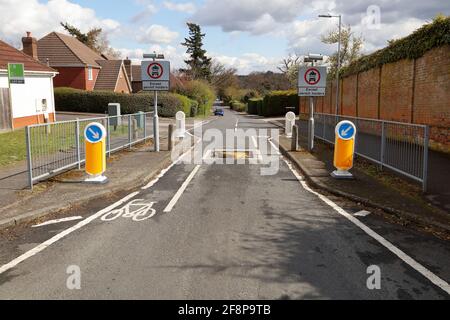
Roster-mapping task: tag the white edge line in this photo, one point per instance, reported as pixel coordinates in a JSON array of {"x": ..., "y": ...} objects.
[
  {"x": 388, "y": 245},
  {"x": 46, "y": 223},
  {"x": 61, "y": 235},
  {"x": 180, "y": 191}
]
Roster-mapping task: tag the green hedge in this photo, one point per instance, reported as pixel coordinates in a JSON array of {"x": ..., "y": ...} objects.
[
  {"x": 253, "y": 106},
  {"x": 278, "y": 103},
  {"x": 67, "y": 99},
  {"x": 414, "y": 46},
  {"x": 237, "y": 106}
]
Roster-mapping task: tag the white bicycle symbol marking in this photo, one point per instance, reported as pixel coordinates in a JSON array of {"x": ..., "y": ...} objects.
[{"x": 136, "y": 210}]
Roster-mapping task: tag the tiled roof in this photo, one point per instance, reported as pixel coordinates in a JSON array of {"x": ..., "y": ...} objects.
[
  {"x": 136, "y": 72},
  {"x": 64, "y": 50},
  {"x": 9, "y": 54},
  {"x": 108, "y": 75}
]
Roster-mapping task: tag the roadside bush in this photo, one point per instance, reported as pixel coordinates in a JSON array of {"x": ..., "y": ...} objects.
[
  {"x": 68, "y": 99},
  {"x": 278, "y": 103},
  {"x": 237, "y": 106},
  {"x": 200, "y": 91},
  {"x": 252, "y": 105},
  {"x": 187, "y": 105}
]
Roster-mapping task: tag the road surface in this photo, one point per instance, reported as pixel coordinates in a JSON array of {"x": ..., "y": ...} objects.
[{"x": 223, "y": 231}]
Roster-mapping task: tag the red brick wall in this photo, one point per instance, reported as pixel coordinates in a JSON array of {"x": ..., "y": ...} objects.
[
  {"x": 396, "y": 93},
  {"x": 70, "y": 77},
  {"x": 90, "y": 84},
  {"x": 349, "y": 95},
  {"x": 432, "y": 88},
  {"x": 412, "y": 91},
  {"x": 368, "y": 83}
]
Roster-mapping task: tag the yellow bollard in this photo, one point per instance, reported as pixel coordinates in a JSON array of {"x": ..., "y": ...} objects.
[
  {"x": 344, "y": 150},
  {"x": 95, "y": 143}
]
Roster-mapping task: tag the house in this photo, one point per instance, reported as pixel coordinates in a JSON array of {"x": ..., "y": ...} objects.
[
  {"x": 32, "y": 102},
  {"x": 79, "y": 66}
]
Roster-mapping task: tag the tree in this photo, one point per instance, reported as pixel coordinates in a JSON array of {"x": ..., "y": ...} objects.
[
  {"x": 199, "y": 64},
  {"x": 95, "y": 39},
  {"x": 222, "y": 77},
  {"x": 290, "y": 67},
  {"x": 351, "y": 46}
]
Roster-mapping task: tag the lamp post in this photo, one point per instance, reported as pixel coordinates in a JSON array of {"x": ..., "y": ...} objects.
[
  {"x": 338, "y": 59},
  {"x": 155, "y": 56}
]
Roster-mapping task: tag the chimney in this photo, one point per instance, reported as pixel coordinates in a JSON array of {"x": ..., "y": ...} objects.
[
  {"x": 30, "y": 46},
  {"x": 127, "y": 64}
]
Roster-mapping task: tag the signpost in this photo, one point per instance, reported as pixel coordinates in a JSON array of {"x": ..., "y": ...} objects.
[
  {"x": 155, "y": 77},
  {"x": 312, "y": 82},
  {"x": 16, "y": 73},
  {"x": 344, "y": 150},
  {"x": 95, "y": 142}
]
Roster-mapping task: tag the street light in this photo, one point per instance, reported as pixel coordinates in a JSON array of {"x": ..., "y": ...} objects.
[
  {"x": 155, "y": 56},
  {"x": 339, "y": 57}
]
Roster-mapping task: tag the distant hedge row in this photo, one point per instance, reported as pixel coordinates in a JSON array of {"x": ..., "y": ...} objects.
[
  {"x": 237, "y": 106},
  {"x": 68, "y": 99},
  {"x": 275, "y": 103}
]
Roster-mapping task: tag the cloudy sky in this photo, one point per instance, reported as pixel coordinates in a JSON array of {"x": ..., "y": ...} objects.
[{"x": 250, "y": 35}]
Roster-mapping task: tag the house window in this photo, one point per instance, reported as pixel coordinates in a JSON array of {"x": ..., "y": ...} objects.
[{"x": 90, "y": 74}]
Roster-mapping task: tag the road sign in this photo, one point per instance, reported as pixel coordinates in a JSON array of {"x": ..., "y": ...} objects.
[
  {"x": 94, "y": 132},
  {"x": 95, "y": 146},
  {"x": 312, "y": 81},
  {"x": 344, "y": 149},
  {"x": 346, "y": 130},
  {"x": 16, "y": 73},
  {"x": 155, "y": 75}
]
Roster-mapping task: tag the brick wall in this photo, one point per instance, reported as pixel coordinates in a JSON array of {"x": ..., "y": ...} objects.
[{"x": 412, "y": 91}]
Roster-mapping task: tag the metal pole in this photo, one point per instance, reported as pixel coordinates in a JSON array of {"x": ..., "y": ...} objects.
[
  {"x": 338, "y": 67},
  {"x": 425, "y": 158},
  {"x": 156, "y": 123},
  {"x": 144, "y": 121},
  {"x": 108, "y": 136},
  {"x": 311, "y": 122},
  {"x": 29, "y": 163},
  {"x": 383, "y": 144},
  {"x": 129, "y": 131},
  {"x": 294, "y": 141},
  {"x": 77, "y": 142}
]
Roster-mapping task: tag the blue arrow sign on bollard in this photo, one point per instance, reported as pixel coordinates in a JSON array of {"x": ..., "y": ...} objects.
[
  {"x": 346, "y": 130},
  {"x": 94, "y": 132}
]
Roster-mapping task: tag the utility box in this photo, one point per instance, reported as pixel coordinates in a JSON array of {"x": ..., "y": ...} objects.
[
  {"x": 114, "y": 112},
  {"x": 140, "y": 119}
]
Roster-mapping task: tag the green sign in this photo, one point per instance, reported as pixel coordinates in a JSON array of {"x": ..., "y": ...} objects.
[{"x": 16, "y": 73}]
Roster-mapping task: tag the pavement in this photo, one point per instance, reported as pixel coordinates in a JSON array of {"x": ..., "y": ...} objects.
[
  {"x": 222, "y": 231},
  {"x": 14, "y": 178}
]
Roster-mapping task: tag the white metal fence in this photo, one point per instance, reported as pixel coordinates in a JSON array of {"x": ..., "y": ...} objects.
[
  {"x": 57, "y": 147},
  {"x": 401, "y": 147}
]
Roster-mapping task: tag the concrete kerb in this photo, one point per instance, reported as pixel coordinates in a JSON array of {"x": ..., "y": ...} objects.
[{"x": 319, "y": 185}]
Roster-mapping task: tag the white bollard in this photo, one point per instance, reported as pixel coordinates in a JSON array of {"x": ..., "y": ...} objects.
[
  {"x": 181, "y": 124},
  {"x": 290, "y": 122}
]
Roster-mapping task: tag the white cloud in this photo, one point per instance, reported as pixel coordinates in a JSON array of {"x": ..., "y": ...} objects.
[
  {"x": 187, "y": 7},
  {"x": 157, "y": 34},
  {"x": 150, "y": 9},
  {"x": 175, "y": 55},
  {"x": 41, "y": 19},
  {"x": 248, "y": 62}
]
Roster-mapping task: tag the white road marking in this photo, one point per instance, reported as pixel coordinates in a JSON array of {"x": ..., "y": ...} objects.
[
  {"x": 362, "y": 213},
  {"x": 255, "y": 143},
  {"x": 62, "y": 234},
  {"x": 399, "y": 253},
  {"x": 275, "y": 147},
  {"x": 57, "y": 221},
  {"x": 180, "y": 191},
  {"x": 236, "y": 126}
]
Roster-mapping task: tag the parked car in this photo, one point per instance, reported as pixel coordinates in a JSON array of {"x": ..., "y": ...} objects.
[{"x": 219, "y": 112}]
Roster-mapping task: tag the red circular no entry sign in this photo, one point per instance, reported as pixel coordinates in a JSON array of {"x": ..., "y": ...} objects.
[
  {"x": 155, "y": 70},
  {"x": 312, "y": 76}
]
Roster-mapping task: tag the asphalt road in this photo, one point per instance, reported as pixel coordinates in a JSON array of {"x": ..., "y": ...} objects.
[{"x": 231, "y": 233}]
